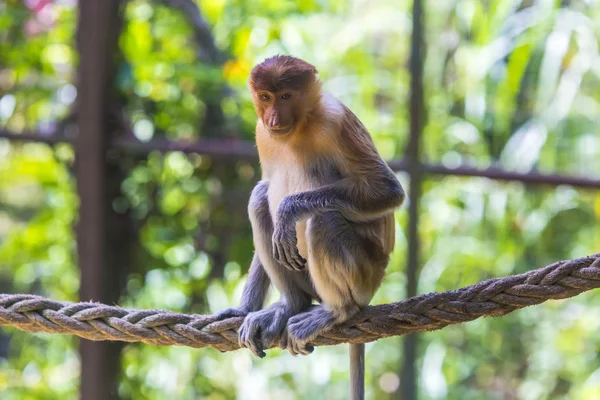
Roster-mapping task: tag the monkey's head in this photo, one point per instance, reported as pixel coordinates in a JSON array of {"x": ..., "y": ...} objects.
[{"x": 284, "y": 90}]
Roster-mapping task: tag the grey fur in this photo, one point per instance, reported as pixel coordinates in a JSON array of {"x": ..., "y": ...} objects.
[
  {"x": 347, "y": 220},
  {"x": 339, "y": 249},
  {"x": 255, "y": 291},
  {"x": 334, "y": 240},
  {"x": 262, "y": 327}
]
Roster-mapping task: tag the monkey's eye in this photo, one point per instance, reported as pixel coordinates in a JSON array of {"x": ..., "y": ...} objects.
[
  {"x": 286, "y": 96},
  {"x": 265, "y": 97}
]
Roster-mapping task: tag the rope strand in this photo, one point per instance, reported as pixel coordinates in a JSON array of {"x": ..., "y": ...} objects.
[{"x": 494, "y": 297}]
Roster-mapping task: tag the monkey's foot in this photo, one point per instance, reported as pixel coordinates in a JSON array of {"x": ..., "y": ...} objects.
[
  {"x": 304, "y": 327},
  {"x": 231, "y": 312},
  {"x": 285, "y": 248},
  {"x": 294, "y": 345},
  {"x": 261, "y": 328}
]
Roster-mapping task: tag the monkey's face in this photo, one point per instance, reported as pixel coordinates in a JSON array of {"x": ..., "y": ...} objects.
[
  {"x": 278, "y": 110},
  {"x": 284, "y": 90}
]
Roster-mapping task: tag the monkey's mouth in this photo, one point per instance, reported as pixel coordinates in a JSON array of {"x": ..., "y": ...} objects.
[{"x": 281, "y": 131}]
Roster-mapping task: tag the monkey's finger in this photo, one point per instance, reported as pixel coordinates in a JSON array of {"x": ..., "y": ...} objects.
[
  {"x": 289, "y": 258},
  {"x": 304, "y": 261},
  {"x": 276, "y": 253},
  {"x": 282, "y": 257},
  {"x": 300, "y": 261},
  {"x": 230, "y": 313},
  {"x": 292, "y": 253},
  {"x": 295, "y": 258}
]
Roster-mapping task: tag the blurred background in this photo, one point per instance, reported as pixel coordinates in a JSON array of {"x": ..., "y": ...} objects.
[{"x": 126, "y": 161}]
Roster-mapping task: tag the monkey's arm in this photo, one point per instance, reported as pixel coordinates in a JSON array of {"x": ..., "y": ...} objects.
[
  {"x": 355, "y": 198},
  {"x": 254, "y": 294}
]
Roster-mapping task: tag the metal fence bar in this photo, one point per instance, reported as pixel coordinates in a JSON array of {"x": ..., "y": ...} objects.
[
  {"x": 246, "y": 150},
  {"x": 408, "y": 376},
  {"x": 98, "y": 26},
  {"x": 227, "y": 148},
  {"x": 500, "y": 174},
  {"x": 36, "y": 137}
]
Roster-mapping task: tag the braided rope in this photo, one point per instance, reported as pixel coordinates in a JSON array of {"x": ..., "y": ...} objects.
[{"x": 494, "y": 297}]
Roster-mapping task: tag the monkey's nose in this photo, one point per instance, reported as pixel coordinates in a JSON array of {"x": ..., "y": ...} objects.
[{"x": 273, "y": 122}]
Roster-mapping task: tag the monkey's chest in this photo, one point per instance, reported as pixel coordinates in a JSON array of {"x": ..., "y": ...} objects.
[{"x": 283, "y": 184}]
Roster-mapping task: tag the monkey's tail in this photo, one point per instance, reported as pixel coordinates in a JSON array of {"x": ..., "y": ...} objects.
[{"x": 357, "y": 371}]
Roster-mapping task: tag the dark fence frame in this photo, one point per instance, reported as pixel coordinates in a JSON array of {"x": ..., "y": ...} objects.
[{"x": 95, "y": 74}]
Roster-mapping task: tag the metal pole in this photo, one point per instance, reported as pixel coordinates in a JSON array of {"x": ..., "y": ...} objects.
[
  {"x": 236, "y": 149},
  {"x": 357, "y": 371},
  {"x": 408, "y": 375},
  {"x": 97, "y": 42}
]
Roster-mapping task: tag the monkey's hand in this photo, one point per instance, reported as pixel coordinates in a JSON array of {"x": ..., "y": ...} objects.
[
  {"x": 285, "y": 246},
  {"x": 232, "y": 312}
]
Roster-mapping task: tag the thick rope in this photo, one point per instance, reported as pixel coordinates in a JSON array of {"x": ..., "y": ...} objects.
[{"x": 494, "y": 297}]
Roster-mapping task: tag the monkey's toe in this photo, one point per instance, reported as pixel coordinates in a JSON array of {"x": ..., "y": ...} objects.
[
  {"x": 231, "y": 313},
  {"x": 296, "y": 346},
  {"x": 248, "y": 336},
  {"x": 262, "y": 328},
  {"x": 272, "y": 334},
  {"x": 300, "y": 330},
  {"x": 253, "y": 344}
]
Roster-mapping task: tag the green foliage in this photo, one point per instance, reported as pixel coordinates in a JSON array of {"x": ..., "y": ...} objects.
[
  {"x": 38, "y": 207},
  {"x": 508, "y": 82}
]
